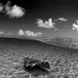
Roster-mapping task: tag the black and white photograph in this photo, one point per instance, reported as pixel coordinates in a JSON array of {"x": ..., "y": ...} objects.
[{"x": 38, "y": 39}]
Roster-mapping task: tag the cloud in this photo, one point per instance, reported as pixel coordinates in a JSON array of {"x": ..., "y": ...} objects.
[
  {"x": 32, "y": 34},
  {"x": 29, "y": 33},
  {"x": 13, "y": 11},
  {"x": 1, "y": 32},
  {"x": 1, "y": 7},
  {"x": 75, "y": 26},
  {"x": 21, "y": 32},
  {"x": 47, "y": 24},
  {"x": 61, "y": 19}
]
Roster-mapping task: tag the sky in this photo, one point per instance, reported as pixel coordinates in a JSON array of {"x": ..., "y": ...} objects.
[{"x": 48, "y": 18}]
